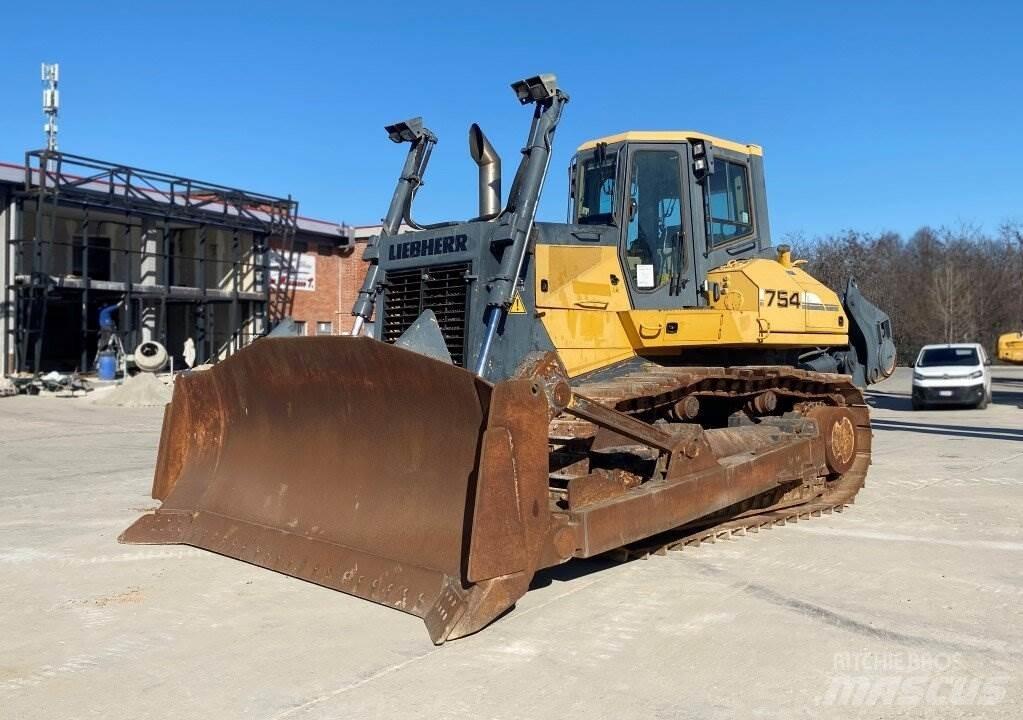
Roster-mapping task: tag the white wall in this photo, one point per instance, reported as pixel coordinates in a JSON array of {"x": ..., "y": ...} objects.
[{"x": 8, "y": 229}]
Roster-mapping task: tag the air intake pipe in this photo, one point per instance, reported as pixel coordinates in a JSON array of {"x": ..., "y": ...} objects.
[{"x": 489, "y": 163}]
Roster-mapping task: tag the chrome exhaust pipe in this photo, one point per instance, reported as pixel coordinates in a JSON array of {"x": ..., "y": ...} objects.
[{"x": 489, "y": 162}]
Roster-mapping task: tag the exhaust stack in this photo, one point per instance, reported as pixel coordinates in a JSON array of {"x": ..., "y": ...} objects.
[{"x": 489, "y": 162}]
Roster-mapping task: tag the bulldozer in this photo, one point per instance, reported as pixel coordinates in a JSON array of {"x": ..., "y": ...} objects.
[
  {"x": 1010, "y": 348},
  {"x": 517, "y": 394}
]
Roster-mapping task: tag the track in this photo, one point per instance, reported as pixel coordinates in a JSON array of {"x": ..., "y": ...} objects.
[{"x": 653, "y": 393}]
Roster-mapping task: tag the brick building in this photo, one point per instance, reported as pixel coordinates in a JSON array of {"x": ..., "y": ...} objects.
[{"x": 328, "y": 280}]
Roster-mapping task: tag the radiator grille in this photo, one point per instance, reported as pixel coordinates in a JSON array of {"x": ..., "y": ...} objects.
[{"x": 441, "y": 288}]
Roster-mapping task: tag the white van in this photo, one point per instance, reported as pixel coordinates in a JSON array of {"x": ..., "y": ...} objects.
[{"x": 954, "y": 374}]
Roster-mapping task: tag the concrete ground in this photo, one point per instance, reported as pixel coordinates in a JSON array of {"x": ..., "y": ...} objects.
[{"x": 907, "y": 605}]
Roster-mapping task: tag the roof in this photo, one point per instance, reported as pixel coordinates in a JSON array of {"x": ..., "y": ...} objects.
[
  {"x": 673, "y": 136},
  {"x": 951, "y": 345},
  {"x": 14, "y": 173}
]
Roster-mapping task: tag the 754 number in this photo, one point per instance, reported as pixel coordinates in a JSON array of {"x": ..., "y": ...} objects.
[{"x": 782, "y": 298}]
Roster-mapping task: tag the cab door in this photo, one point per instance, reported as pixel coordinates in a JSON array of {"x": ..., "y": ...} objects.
[
  {"x": 655, "y": 247},
  {"x": 730, "y": 216}
]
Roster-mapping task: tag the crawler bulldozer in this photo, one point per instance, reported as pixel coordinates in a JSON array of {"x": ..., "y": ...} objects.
[{"x": 517, "y": 393}]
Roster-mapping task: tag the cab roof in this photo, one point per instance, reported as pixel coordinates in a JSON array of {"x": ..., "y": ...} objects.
[{"x": 672, "y": 136}]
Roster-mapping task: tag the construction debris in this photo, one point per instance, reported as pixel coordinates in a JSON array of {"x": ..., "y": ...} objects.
[
  {"x": 50, "y": 383},
  {"x": 141, "y": 390}
]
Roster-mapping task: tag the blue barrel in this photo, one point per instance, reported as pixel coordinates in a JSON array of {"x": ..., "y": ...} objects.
[{"x": 107, "y": 365}]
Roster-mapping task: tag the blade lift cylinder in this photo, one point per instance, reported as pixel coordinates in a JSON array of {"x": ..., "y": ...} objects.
[
  {"x": 512, "y": 238},
  {"x": 421, "y": 141}
]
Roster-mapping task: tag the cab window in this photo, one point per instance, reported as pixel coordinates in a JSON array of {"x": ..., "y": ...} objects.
[
  {"x": 654, "y": 218},
  {"x": 595, "y": 201},
  {"x": 730, "y": 215}
]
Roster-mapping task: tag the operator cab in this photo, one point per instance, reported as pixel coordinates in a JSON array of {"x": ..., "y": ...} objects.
[{"x": 683, "y": 203}]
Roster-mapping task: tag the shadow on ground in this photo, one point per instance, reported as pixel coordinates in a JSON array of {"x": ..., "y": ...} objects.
[
  {"x": 888, "y": 401},
  {"x": 965, "y": 431},
  {"x": 1008, "y": 397},
  {"x": 571, "y": 570}
]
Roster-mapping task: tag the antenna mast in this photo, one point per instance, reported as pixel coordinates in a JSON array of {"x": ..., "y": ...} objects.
[{"x": 51, "y": 102}]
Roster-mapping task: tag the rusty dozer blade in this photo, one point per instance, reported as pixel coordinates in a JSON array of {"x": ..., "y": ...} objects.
[{"x": 362, "y": 467}]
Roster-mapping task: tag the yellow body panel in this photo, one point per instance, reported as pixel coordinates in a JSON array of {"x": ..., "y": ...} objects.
[
  {"x": 587, "y": 339},
  {"x": 770, "y": 287},
  {"x": 579, "y": 308},
  {"x": 1010, "y": 348},
  {"x": 672, "y": 136},
  {"x": 761, "y": 303},
  {"x": 579, "y": 277}
]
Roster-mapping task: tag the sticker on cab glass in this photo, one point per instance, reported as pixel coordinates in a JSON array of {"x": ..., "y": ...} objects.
[{"x": 644, "y": 276}]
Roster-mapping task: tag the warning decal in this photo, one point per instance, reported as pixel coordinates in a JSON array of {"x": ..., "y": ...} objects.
[{"x": 517, "y": 307}]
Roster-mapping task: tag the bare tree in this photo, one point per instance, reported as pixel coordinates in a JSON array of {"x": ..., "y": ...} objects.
[{"x": 944, "y": 285}]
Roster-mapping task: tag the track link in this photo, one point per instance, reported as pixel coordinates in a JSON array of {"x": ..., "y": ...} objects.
[{"x": 648, "y": 390}]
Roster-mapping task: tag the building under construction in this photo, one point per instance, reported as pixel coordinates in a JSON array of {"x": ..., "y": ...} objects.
[{"x": 170, "y": 258}]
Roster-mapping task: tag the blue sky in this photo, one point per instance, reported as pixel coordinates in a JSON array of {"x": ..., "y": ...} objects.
[{"x": 873, "y": 115}]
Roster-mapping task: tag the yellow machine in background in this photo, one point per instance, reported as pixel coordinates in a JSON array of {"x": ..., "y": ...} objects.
[{"x": 1010, "y": 348}]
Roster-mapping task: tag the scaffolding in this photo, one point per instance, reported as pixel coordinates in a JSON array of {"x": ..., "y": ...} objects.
[{"x": 92, "y": 232}]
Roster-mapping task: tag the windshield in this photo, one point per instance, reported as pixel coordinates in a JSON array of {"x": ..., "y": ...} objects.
[
  {"x": 595, "y": 189},
  {"x": 937, "y": 357}
]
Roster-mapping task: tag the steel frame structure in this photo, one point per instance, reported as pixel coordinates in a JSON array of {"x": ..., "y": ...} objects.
[{"x": 162, "y": 203}]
